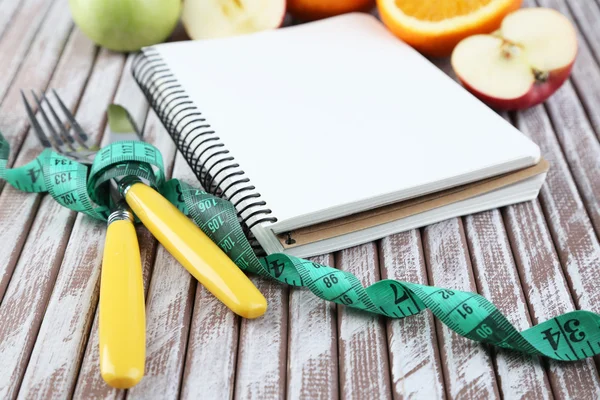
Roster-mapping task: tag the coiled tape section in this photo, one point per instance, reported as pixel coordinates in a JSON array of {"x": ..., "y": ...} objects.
[{"x": 203, "y": 150}]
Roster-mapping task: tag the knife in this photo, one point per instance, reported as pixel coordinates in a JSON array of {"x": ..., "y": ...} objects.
[
  {"x": 122, "y": 320},
  {"x": 182, "y": 238}
]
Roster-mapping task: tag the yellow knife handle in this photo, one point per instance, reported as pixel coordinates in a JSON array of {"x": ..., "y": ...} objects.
[
  {"x": 122, "y": 310},
  {"x": 195, "y": 251}
]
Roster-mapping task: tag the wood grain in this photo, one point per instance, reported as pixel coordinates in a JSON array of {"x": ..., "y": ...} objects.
[
  {"x": 89, "y": 382},
  {"x": 579, "y": 142},
  {"x": 416, "y": 368},
  {"x": 72, "y": 71},
  {"x": 169, "y": 307},
  {"x": 17, "y": 38},
  {"x": 547, "y": 293},
  {"x": 534, "y": 261},
  {"x": 75, "y": 292},
  {"x": 572, "y": 231},
  {"x": 9, "y": 8},
  {"x": 519, "y": 375},
  {"x": 25, "y": 300},
  {"x": 212, "y": 349},
  {"x": 468, "y": 369},
  {"x": 587, "y": 13},
  {"x": 262, "y": 351},
  {"x": 585, "y": 74},
  {"x": 36, "y": 69},
  {"x": 69, "y": 78},
  {"x": 364, "y": 362},
  {"x": 312, "y": 344},
  {"x": 27, "y": 294}
]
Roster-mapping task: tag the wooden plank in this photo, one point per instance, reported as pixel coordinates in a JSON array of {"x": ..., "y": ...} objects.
[
  {"x": 17, "y": 38},
  {"x": 262, "y": 350},
  {"x": 468, "y": 369},
  {"x": 572, "y": 231},
  {"x": 89, "y": 381},
  {"x": 364, "y": 362},
  {"x": 169, "y": 307},
  {"x": 581, "y": 148},
  {"x": 585, "y": 74},
  {"x": 23, "y": 306},
  {"x": 579, "y": 142},
  {"x": 212, "y": 349},
  {"x": 75, "y": 293},
  {"x": 36, "y": 70},
  {"x": 547, "y": 293},
  {"x": 416, "y": 369},
  {"x": 587, "y": 15},
  {"x": 18, "y": 207},
  {"x": 24, "y": 335},
  {"x": 312, "y": 344},
  {"x": 519, "y": 376},
  {"x": 9, "y": 8}
]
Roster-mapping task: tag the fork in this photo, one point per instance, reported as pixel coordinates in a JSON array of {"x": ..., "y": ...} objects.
[
  {"x": 177, "y": 233},
  {"x": 122, "y": 321}
]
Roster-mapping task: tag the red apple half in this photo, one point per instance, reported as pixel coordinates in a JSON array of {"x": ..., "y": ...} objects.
[
  {"x": 522, "y": 63},
  {"x": 206, "y": 19}
]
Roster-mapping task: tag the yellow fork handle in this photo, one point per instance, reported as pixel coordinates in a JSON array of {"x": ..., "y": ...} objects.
[
  {"x": 195, "y": 251},
  {"x": 122, "y": 309}
]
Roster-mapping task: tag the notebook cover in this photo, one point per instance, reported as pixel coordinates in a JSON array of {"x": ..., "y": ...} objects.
[{"x": 397, "y": 211}]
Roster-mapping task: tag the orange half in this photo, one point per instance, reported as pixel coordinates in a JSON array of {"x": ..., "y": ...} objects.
[{"x": 434, "y": 27}]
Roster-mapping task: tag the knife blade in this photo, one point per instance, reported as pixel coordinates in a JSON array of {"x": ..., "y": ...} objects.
[{"x": 182, "y": 238}]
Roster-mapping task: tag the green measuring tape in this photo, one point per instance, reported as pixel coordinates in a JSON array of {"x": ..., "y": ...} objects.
[{"x": 568, "y": 337}]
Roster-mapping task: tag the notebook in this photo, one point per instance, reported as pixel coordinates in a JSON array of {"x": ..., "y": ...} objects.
[{"x": 334, "y": 133}]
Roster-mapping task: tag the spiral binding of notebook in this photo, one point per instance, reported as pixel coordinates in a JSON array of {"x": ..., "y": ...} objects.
[{"x": 206, "y": 155}]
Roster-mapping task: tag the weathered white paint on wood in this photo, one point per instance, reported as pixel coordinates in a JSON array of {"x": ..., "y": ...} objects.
[
  {"x": 364, "y": 362},
  {"x": 17, "y": 38},
  {"x": 75, "y": 293},
  {"x": 574, "y": 237},
  {"x": 519, "y": 376},
  {"x": 22, "y": 285},
  {"x": 416, "y": 368},
  {"x": 568, "y": 224},
  {"x": 468, "y": 369},
  {"x": 581, "y": 148},
  {"x": 9, "y": 8},
  {"x": 210, "y": 360},
  {"x": 69, "y": 79},
  {"x": 547, "y": 293},
  {"x": 587, "y": 15},
  {"x": 89, "y": 381},
  {"x": 262, "y": 350},
  {"x": 586, "y": 73},
  {"x": 27, "y": 294},
  {"x": 312, "y": 344},
  {"x": 168, "y": 316},
  {"x": 35, "y": 71}
]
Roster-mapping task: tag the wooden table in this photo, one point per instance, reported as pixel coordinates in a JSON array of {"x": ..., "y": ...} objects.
[{"x": 533, "y": 260}]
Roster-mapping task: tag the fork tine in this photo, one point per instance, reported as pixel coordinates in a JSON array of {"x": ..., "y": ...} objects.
[
  {"x": 78, "y": 130},
  {"x": 55, "y": 136},
  {"x": 34, "y": 123},
  {"x": 67, "y": 139},
  {"x": 61, "y": 125}
]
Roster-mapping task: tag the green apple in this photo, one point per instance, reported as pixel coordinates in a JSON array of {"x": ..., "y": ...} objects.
[{"x": 126, "y": 25}]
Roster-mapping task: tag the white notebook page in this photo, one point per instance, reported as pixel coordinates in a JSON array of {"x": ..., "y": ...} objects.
[{"x": 337, "y": 116}]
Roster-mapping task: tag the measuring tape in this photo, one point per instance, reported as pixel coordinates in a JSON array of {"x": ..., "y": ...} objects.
[{"x": 568, "y": 337}]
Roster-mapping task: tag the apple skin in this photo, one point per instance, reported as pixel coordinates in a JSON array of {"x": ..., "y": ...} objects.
[
  {"x": 538, "y": 93},
  {"x": 126, "y": 25}
]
